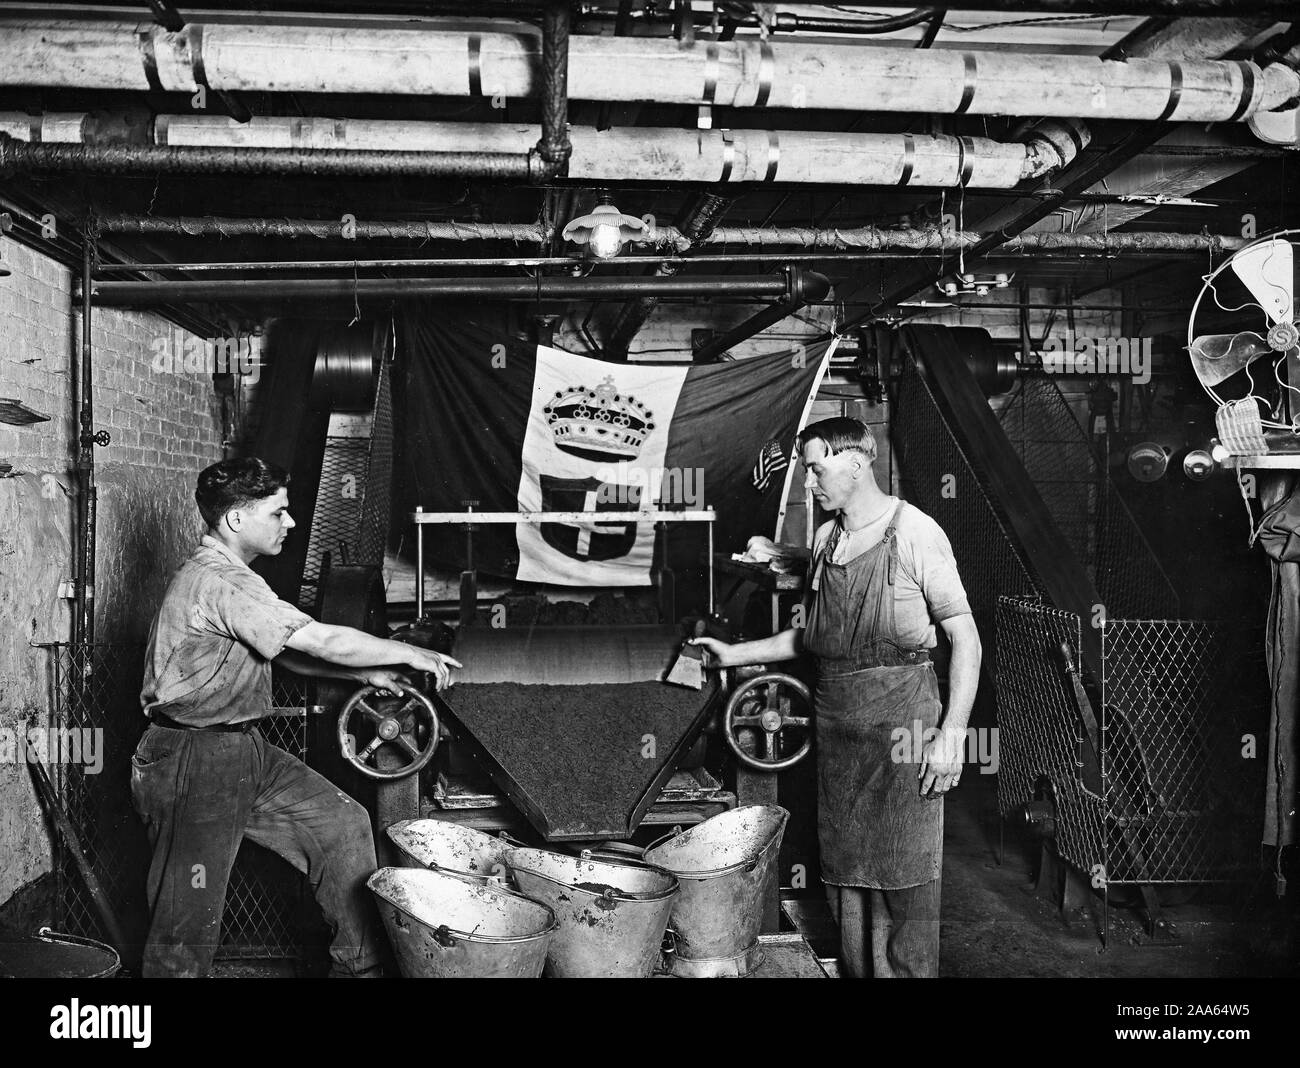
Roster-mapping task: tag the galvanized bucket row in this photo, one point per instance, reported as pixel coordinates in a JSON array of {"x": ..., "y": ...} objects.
[{"x": 474, "y": 905}]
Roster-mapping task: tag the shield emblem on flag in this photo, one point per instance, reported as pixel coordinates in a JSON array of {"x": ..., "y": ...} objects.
[{"x": 588, "y": 541}]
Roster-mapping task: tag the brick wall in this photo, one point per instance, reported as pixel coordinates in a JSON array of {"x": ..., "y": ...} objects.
[{"x": 165, "y": 428}]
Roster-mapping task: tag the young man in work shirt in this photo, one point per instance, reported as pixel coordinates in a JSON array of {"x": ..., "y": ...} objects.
[
  {"x": 203, "y": 777},
  {"x": 882, "y": 576}
]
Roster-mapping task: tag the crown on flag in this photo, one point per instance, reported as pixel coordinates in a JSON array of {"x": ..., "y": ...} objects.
[{"x": 598, "y": 423}]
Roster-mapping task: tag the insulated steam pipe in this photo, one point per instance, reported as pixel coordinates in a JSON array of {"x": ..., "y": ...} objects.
[
  {"x": 849, "y": 76},
  {"x": 645, "y": 153}
]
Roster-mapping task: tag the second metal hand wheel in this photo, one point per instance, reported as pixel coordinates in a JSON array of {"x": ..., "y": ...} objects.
[
  {"x": 771, "y": 714},
  {"x": 391, "y": 728}
]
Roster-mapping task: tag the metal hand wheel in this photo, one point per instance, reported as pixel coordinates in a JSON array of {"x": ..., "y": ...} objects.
[
  {"x": 769, "y": 703},
  {"x": 401, "y": 729}
]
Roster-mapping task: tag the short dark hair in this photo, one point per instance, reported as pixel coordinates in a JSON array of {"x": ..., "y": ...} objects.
[
  {"x": 233, "y": 483},
  {"x": 838, "y": 435}
]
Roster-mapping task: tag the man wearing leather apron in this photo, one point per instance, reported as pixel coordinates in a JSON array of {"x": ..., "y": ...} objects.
[{"x": 882, "y": 578}]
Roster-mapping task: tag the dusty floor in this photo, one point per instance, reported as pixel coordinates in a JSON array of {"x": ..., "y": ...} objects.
[{"x": 996, "y": 925}]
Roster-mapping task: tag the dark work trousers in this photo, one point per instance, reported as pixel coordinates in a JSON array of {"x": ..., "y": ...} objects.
[
  {"x": 888, "y": 934},
  {"x": 200, "y": 793}
]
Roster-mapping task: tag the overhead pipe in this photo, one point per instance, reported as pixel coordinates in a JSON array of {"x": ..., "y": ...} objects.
[
  {"x": 1281, "y": 9},
  {"x": 146, "y": 160},
  {"x": 554, "y": 147},
  {"x": 62, "y": 53},
  {"x": 812, "y": 24},
  {"x": 543, "y": 161},
  {"x": 283, "y": 145},
  {"x": 794, "y": 284},
  {"x": 870, "y": 238},
  {"x": 696, "y": 223},
  {"x": 805, "y": 287},
  {"x": 935, "y": 240},
  {"x": 292, "y": 229}
]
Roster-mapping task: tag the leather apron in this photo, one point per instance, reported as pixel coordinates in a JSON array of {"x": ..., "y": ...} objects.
[{"x": 874, "y": 827}]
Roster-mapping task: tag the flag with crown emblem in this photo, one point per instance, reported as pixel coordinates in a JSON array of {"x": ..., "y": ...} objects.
[{"x": 543, "y": 430}]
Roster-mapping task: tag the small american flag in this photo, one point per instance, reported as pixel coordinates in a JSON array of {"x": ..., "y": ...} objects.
[{"x": 771, "y": 459}]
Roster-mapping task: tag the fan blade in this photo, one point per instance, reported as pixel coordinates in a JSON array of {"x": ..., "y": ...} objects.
[
  {"x": 1268, "y": 271},
  {"x": 1216, "y": 357}
]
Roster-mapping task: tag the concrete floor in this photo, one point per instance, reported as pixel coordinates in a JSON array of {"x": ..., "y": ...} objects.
[{"x": 996, "y": 925}]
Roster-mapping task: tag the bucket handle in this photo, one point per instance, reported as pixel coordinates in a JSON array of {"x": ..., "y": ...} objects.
[
  {"x": 612, "y": 851},
  {"x": 443, "y": 936},
  {"x": 76, "y": 940},
  {"x": 464, "y": 877},
  {"x": 667, "y": 950},
  {"x": 677, "y": 829}
]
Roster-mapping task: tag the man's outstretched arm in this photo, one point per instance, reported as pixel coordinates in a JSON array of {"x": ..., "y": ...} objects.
[{"x": 347, "y": 647}]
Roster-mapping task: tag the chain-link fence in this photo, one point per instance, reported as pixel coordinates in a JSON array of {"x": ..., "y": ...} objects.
[
  {"x": 1179, "y": 780},
  {"x": 1085, "y": 504},
  {"x": 269, "y": 912}
]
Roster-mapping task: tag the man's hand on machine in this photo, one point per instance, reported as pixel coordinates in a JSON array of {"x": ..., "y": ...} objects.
[
  {"x": 715, "y": 651},
  {"x": 383, "y": 679},
  {"x": 438, "y": 665}
]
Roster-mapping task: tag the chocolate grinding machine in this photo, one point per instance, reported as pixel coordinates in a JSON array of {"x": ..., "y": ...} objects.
[{"x": 572, "y": 725}]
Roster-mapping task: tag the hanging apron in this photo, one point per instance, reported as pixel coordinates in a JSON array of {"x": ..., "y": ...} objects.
[{"x": 874, "y": 827}]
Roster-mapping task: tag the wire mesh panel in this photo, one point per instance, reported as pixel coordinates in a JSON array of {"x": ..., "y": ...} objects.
[
  {"x": 1181, "y": 780},
  {"x": 268, "y": 904},
  {"x": 1040, "y": 732},
  {"x": 97, "y": 688},
  {"x": 1085, "y": 504},
  {"x": 336, "y": 522},
  {"x": 372, "y": 537},
  {"x": 352, "y": 505},
  {"x": 937, "y": 477}
]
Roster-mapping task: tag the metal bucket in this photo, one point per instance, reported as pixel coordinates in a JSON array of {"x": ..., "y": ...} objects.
[
  {"x": 447, "y": 926},
  {"x": 612, "y": 913},
  {"x": 727, "y": 868},
  {"x": 53, "y": 955},
  {"x": 442, "y": 846}
]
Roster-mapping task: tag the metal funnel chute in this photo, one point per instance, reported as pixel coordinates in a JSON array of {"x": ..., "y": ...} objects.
[{"x": 573, "y": 724}]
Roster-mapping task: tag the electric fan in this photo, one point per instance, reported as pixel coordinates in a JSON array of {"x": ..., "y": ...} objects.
[{"x": 1246, "y": 370}]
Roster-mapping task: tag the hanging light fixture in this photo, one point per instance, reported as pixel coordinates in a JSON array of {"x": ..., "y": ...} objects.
[
  {"x": 605, "y": 231},
  {"x": 964, "y": 284}
]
